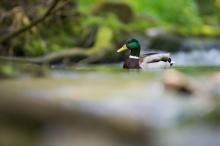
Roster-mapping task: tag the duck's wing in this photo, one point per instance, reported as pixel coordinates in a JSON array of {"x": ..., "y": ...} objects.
[
  {"x": 155, "y": 57},
  {"x": 148, "y": 54},
  {"x": 155, "y": 61},
  {"x": 155, "y": 65}
]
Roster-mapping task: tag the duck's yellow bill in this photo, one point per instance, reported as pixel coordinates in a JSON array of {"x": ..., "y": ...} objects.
[{"x": 124, "y": 48}]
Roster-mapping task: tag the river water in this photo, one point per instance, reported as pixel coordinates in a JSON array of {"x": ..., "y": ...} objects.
[
  {"x": 197, "y": 58},
  {"x": 108, "y": 91},
  {"x": 189, "y": 51}
]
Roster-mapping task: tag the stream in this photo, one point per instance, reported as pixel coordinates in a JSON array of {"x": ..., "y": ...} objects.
[
  {"x": 67, "y": 105},
  {"x": 187, "y": 51},
  {"x": 198, "y": 58}
]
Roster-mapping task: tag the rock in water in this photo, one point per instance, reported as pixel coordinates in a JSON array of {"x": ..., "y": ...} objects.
[{"x": 176, "y": 81}]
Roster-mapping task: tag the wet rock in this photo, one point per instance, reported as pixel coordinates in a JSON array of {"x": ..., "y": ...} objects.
[
  {"x": 155, "y": 32},
  {"x": 166, "y": 43},
  {"x": 176, "y": 81},
  {"x": 216, "y": 78},
  {"x": 160, "y": 39}
]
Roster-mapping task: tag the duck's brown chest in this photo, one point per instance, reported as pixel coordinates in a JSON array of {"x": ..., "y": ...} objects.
[{"x": 131, "y": 64}]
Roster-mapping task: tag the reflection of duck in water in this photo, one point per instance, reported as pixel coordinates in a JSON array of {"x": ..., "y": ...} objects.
[{"x": 147, "y": 61}]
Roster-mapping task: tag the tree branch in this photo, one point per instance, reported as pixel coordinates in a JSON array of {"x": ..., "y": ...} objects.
[
  {"x": 48, "y": 59},
  {"x": 83, "y": 56},
  {"x": 34, "y": 23}
]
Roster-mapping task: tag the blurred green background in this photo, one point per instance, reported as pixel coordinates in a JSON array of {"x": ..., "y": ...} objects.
[
  {"x": 75, "y": 23},
  {"x": 56, "y": 88}
]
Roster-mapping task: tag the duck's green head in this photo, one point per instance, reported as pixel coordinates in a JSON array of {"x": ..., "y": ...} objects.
[{"x": 133, "y": 45}]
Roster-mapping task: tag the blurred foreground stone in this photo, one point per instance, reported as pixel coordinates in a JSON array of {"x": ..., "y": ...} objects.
[
  {"x": 96, "y": 109},
  {"x": 176, "y": 81},
  {"x": 35, "y": 113},
  {"x": 216, "y": 78}
]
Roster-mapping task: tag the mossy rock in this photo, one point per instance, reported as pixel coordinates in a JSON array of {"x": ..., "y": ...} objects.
[{"x": 123, "y": 11}]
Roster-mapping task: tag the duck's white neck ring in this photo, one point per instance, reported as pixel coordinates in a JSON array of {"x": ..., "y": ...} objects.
[{"x": 134, "y": 57}]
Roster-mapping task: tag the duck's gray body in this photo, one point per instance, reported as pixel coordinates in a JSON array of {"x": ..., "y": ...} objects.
[{"x": 155, "y": 61}]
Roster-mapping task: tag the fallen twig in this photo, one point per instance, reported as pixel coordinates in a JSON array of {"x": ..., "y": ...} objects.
[{"x": 89, "y": 55}]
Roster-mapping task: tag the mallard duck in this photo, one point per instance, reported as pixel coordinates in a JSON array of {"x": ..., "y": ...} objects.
[{"x": 147, "y": 61}]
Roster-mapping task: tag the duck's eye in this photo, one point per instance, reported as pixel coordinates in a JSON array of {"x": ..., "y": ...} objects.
[{"x": 169, "y": 60}]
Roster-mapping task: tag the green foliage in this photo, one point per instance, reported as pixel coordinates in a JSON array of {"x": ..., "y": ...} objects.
[
  {"x": 86, "y": 5},
  {"x": 104, "y": 37},
  {"x": 110, "y": 21},
  {"x": 5, "y": 70},
  {"x": 53, "y": 38},
  {"x": 151, "y": 13},
  {"x": 201, "y": 30},
  {"x": 183, "y": 17},
  {"x": 35, "y": 47},
  {"x": 182, "y": 12}
]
